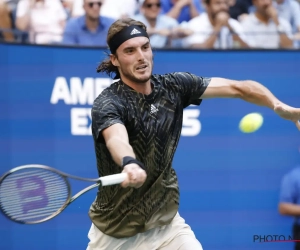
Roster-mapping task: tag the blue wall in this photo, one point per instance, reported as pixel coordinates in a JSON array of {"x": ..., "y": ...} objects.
[{"x": 229, "y": 180}]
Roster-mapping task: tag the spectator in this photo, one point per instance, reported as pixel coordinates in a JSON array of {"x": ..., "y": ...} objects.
[
  {"x": 43, "y": 19},
  {"x": 114, "y": 9},
  {"x": 289, "y": 200},
  {"x": 90, "y": 29},
  {"x": 5, "y": 23},
  {"x": 215, "y": 28},
  {"x": 182, "y": 10},
  {"x": 264, "y": 29},
  {"x": 159, "y": 26},
  {"x": 290, "y": 11}
]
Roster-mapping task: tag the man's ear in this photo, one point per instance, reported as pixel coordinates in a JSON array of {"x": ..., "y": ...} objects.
[{"x": 114, "y": 60}]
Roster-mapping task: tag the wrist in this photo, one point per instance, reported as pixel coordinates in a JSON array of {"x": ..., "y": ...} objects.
[{"x": 129, "y": 159}]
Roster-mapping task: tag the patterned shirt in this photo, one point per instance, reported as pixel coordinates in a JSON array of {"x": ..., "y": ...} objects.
[{"x": 154, "y": 124}]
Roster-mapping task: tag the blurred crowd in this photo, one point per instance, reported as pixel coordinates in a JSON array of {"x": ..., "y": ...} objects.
[{"x": 205, "y": 24}]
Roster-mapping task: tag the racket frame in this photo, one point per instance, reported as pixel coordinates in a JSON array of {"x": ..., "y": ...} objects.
[{"x": 65, "y": 176}]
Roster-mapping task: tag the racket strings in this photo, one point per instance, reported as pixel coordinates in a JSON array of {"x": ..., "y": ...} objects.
[{"x": 31, "y": 195}]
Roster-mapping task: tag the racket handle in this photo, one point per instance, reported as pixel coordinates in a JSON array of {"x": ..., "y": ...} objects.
[{"x": 113, "y": 179}]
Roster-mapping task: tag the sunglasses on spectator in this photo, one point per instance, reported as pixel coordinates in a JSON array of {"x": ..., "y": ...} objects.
[
  {"x": 92, "y": 4},
  {"x": 149, "y": 5}
]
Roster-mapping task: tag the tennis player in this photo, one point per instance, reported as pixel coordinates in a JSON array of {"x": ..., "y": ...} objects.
[{"x": 136, "y": 125}]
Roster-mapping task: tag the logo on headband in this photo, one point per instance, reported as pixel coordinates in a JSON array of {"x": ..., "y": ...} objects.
[
  {"x": 134, "y": 31},
  {"x": 125, "y": 34}
]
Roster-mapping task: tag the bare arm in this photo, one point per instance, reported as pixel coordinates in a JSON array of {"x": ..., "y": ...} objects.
[
  {"x": 22, "y": 23},
  {"x": 177, "y": 8},
  {"x": 116, "y": 139},
  {"x": 117, "y": 142},
  {"x": 249, "y": 91},
  {"x": 285, "y": 41},
  {"x": 175, "y": 11},
  {"x": 5, "y": 22},
  {"x": 193, "y": 10},
  {"x": 289, "y": 209},
  {"x": 23, "y": 20},
  {"x": 252, "y": 92}
]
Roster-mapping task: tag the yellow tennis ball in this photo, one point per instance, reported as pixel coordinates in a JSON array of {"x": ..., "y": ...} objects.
[{"x": 251, "y": 122}]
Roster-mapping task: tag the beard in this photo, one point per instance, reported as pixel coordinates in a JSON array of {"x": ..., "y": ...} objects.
[{"x": 139, "y": 80}]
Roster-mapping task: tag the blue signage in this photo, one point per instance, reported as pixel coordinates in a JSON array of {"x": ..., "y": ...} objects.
[{"x": 229, "y": 180}]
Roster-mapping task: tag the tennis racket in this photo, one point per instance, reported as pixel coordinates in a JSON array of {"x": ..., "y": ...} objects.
[{"x": 32, "y": 194}]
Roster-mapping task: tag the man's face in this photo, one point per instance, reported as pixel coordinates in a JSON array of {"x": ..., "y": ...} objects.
[
  {"x": 216, "y": 6},
  {"x": 262, "y": 5},
  {"x": 134, "y": 60},
  {"x": 151, "y": 8},
  {"x": 92, "y": 8}
]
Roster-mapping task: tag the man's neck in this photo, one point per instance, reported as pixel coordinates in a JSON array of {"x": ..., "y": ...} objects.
[
  {"x": 144, "y": 88},
  {"x": 91, "y": 23},
  {"x": 262, "y": 17}
]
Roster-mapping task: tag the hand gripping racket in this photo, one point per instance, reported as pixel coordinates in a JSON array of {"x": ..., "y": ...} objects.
[{"x": 32, "y": 194}]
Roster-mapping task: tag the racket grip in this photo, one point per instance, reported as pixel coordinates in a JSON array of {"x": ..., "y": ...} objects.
[{"x": 113, "y": 179}]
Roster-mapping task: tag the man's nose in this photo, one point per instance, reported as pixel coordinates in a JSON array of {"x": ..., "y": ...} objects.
[{"x": 140, "y": 55}]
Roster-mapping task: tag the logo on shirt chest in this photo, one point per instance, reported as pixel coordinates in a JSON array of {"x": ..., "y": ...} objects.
[{"x": 153, "y": 109}]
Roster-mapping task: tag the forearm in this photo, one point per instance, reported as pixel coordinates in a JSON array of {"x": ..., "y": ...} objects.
[
  {"x": 118, "y": 149},
  {"x": 289, "y": 209},
  {"x": 256, "y": 93},
  {"x": 249, "y": 91},
  {"x": 175, "y": 11},
  {"x": 5, "y": 22},
  {"x": 285, "y": 41},
  {"x": 193, "y": 11},
  {"x": 22, "y": 23}
]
